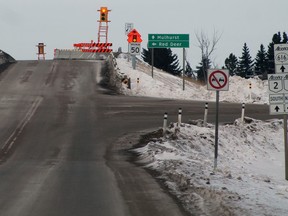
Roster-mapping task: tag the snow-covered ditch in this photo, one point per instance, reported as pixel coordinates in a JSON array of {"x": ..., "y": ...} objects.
[{"x": 250, "y": 176}]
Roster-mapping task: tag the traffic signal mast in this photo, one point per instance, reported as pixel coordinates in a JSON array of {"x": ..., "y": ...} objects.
[
  {"x": 103, "y": 25},
  {"x": 102, "y": 45}
]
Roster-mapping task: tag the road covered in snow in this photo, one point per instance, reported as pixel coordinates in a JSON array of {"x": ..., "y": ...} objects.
[{"x": 250, "y": 176}]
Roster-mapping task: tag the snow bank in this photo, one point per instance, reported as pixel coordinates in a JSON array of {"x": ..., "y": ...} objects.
[
  {"x": 249, "y": 179},
  {"x": 164, "y": 85}
]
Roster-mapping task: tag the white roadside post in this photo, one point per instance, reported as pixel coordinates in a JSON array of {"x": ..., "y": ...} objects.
[
  {"x": 138, "y": 81},
  {"x": 243, "y": 113},
  {"x": 205, "y": 115},
  {"x": 179, "y": 116},
  {"x": 165, "y": 123},
  {"x": 250, "y": 91},
  {"x": 218, "y": 80}
]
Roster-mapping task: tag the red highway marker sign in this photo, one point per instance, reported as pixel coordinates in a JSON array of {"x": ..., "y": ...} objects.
[{"x": 218, "y": 80}]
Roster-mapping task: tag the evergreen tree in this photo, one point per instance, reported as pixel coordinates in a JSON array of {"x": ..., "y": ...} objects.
[
  {"x": 245, "y": 63},
  {"x": 202, "y": 70},
  {"x": 164, "y": 59},
  {"x": 277, "y": 38},
  {"x": 231, "y": 63},
  {"x": 261, "y": 62},
  {"x": 188, "y": 70},
  {"x": 285, "y": 38},
  {"x": 270, "y": 59}
]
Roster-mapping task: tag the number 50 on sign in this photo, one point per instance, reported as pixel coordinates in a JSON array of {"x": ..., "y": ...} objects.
[{"x": 135, "y": 48}]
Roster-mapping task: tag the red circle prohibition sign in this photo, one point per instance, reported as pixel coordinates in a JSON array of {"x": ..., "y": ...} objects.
[{"x": 219, "y": 83}]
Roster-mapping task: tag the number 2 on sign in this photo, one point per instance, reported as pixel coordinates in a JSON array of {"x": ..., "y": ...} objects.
[{"x": 276, "y": 85}]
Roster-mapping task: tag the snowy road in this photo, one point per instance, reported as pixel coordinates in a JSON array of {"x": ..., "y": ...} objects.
[{"x": 60, "y": 140}]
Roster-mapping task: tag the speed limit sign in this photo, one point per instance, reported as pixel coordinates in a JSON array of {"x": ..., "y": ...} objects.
[{"x": 135, "y": 48}]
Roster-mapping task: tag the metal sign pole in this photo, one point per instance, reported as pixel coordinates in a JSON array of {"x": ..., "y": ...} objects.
[
  {"x": 218, "y": 80},
  {"x": 134, "y": 62},
  {"x": 285, "y": 146},
  {"x": 216, "y": 130},
  {"x": 152, "y": 60},
  {"x": 183, "y": 73}
]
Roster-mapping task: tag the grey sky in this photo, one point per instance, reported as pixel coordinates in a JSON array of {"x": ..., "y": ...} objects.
[{"x": 61, "y": 23}]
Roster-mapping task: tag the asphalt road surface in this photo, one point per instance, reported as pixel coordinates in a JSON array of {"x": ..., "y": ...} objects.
[{"x": 62, "y": 136}]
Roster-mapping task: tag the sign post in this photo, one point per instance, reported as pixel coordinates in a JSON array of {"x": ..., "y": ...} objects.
[
  {"x": 278, "y": 91},
  {"x": 128, "y": 27},
  {"x": 281, "y": 58},
  {"x": 169, "y": 41},
  {"x": 218, "y": 80},
  {"x": 134, "y": 40}
]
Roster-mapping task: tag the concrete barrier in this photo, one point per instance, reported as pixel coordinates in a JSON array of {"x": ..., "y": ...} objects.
[{"x": 63, "y": 54}]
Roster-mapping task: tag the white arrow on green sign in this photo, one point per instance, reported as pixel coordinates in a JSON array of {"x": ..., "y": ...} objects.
[{"x": 168, "y": 40}]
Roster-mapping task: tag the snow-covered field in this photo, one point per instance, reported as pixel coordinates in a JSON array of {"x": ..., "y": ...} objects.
[{"x": 250, "y": 176}]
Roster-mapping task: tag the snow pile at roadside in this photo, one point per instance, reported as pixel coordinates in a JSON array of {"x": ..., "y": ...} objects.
[
  {"x": 164, "y": 85},
  {"x": 249, "y": 179}
]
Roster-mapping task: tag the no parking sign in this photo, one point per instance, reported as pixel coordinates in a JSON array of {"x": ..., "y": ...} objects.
[{"x": 218, "y": 80}]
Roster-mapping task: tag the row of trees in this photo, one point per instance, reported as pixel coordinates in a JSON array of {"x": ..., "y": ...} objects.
[
  {"x": 163, "y": 59},
  {"x": 243, "y": 66},
  {"x": 263, "y": 63}
]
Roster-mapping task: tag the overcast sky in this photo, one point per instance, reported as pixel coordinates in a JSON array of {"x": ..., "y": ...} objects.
[{"x": 60, "y": 23}]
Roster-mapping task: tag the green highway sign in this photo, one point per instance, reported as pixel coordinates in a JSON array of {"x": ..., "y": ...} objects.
[
  {"x": 172, "y": 37},
  {"x": 168, "y": 40},
  {"x": 168, "y": 44}
]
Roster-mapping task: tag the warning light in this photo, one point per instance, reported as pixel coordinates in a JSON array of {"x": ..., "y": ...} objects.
[
  {"x": 41, "y": 53},
  {"x": 103, "y": 14},
  {"x": 134, "y": 37}
]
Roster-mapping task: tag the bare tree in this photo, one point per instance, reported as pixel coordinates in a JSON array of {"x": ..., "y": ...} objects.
[{"x": 207, "y": 47}]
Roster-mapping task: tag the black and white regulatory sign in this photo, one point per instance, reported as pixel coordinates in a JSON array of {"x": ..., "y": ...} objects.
[
  {"x": 135, "y": 48},
  {"x": 218, "y": 80}
]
